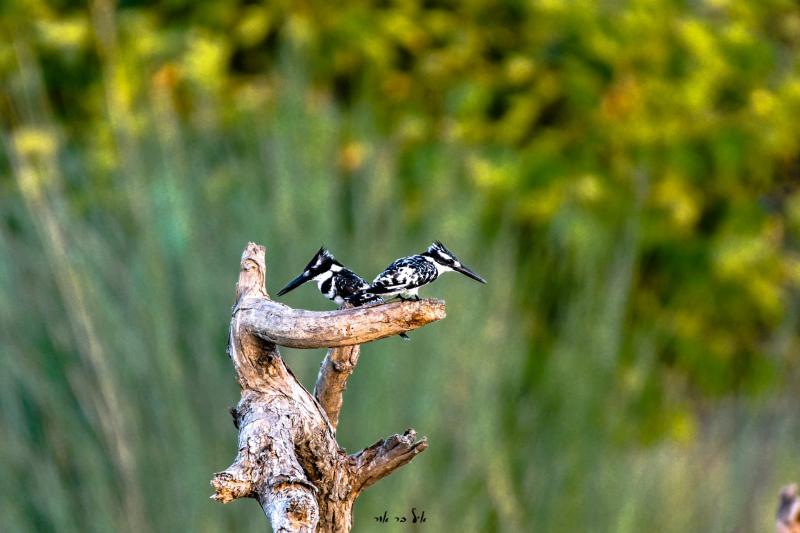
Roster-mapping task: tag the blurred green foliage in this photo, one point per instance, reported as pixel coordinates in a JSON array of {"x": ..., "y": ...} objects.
[{"x": 625, "y": 174}]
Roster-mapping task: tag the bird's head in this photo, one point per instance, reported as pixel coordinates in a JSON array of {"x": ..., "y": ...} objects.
[
  {"x": 447, "y": 260},
  {"x": 322, "y": 263}
]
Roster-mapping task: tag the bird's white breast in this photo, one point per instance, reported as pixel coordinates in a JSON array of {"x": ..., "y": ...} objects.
[{"x": 321, "y": 278}]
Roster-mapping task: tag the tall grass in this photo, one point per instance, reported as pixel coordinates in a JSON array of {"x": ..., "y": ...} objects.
[{"x": 115, "y": 301}]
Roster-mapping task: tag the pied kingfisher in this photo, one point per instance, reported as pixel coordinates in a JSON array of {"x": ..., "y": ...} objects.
[
  {"x": 334, "y": 281},
  {"x": 406, "y": 275}
]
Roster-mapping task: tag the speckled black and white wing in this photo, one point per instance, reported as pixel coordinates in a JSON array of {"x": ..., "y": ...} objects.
[
  {"x": 404, "y": 275},
  {"x": 348, "y": 286},
  {"x": 348, "y": 283}
]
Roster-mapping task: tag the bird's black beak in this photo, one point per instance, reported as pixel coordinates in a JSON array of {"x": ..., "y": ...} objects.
[
  {"x": 296, "y": 282},
  {"x": 469, "y": 273}
]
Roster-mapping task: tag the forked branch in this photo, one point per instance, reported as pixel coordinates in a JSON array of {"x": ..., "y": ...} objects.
[
  {"x": 288, "y": 458},
  {"x": 385, "y": 456}
]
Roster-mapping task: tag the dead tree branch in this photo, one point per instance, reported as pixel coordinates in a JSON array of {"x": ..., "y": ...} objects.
[
  {"x": 385, "y": 456},
  {"x": 297, "y": 328},
  {"x": 334, "y": 371},
  {"x": 288, "y": 458}
]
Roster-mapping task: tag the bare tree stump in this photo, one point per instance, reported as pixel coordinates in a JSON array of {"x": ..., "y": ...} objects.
[
  {"x": 288, "y": 457},
  {"x": 787, "y": 518}
]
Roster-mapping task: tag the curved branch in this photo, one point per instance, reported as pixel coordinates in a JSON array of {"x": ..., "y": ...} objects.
[{"x": 297, "y": 328}]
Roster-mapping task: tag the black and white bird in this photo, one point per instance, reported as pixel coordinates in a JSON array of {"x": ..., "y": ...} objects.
[
  {"x": 406, "y": 275},
  {"x": 334, "y": 281}
]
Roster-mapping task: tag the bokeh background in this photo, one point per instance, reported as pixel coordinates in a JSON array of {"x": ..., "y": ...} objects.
[{"x": 625, "y": 174}]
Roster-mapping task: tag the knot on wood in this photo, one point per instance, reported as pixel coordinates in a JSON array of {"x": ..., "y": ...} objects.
[
  {"x": 228, "y": 487},
  {"x": 295, "y": 510},
  {"x": 341, "y": 366},
  {"x": 235, "y": 415}
]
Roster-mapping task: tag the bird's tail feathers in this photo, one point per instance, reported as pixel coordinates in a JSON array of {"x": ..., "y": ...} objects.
[
  {"x": 365, "y": 298},
  {"x": 378, "y": 289}
]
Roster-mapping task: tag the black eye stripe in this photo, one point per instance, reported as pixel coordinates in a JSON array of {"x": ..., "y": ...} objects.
[{"x": 326, "y": 285}]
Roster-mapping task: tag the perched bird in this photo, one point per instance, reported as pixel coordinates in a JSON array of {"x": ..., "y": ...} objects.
[
  {"x": 406, "y": 275},
  {"x": 334, "y": 281}
]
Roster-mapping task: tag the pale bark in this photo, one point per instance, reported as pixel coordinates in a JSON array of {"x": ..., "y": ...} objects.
[
  {"x": 288, "y": 457},
  {"x": 337, "y": 366},
  {"x": 297, "y": 328}
]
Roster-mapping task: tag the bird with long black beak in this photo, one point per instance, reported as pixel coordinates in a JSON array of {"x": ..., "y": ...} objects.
[
  {"x": 406, "y": 275},
  {"x": 335, "y": 282}
]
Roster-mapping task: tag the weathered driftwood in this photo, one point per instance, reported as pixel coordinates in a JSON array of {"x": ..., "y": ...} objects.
[
  {"x": 288, "y": 457},
  {"x": 788, "y": 515}
]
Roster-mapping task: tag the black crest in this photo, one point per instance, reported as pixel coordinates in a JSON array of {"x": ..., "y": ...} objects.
[
  {"x": 441, "y": 254},
  {"x": 321, "y": 261}
]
